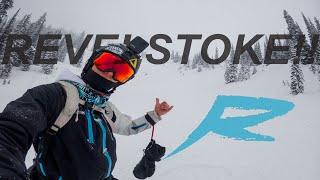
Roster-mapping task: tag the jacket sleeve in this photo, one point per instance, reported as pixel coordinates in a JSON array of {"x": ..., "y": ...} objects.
[
  {"x": 125, "y": 125},
  {"x": 21, "y": 121}
]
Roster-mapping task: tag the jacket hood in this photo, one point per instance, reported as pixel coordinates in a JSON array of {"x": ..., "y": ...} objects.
[{"x": 66, "y": 74}]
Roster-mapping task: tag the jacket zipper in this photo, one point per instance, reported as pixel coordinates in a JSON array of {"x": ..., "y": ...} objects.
[
  {"x": 105, "y": 122},
  {"x": 89, "y": 126},
  {"x": 104, "y": 148}
]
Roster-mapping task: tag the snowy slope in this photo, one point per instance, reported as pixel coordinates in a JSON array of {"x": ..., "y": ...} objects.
[{"x": 293, "y": 154}]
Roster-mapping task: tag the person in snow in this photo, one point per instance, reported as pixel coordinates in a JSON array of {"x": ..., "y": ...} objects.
[{"x": 71, "y": 122}]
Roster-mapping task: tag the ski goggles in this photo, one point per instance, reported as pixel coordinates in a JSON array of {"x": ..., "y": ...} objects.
[{"x": 107, "y": 62}]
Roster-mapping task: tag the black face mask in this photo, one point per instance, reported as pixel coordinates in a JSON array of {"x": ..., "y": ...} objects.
[{"x": 99, "y": 83}]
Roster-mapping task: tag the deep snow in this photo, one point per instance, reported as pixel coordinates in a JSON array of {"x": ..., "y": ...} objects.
[{"x": 293, "y": 155}]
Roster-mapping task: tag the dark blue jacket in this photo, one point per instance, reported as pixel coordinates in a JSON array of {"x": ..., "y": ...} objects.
[{"x": 68, "y": 154}]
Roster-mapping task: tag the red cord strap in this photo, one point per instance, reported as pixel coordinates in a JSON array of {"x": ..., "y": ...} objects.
[{"x": 152, "y": 133}]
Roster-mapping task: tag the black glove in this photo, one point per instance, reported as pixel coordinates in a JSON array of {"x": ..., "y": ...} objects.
[{"x": 146, "y": 167}]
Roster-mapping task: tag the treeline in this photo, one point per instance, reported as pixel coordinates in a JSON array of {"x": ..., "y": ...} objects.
[
  {"x": 23, "y": 24},
  {"x": 246, "y": 68}
]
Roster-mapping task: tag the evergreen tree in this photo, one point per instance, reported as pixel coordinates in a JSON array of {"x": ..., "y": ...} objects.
[
  {"x": 7, "y": 30},
  {"x": 315, "y": 67},
  {"x": 203, "y": 64},
  {"x": 177, "y": 58},
  {"x": 5, "y": 5},
  {"x": 311, "y": 31},
  {"x": 36, "y": 27},
  {"x": 305, "y": 54},
  {"x": 77, "y": 44},
  {"x": 3, "y": 24},
  {"x": 23, "y": 25},
  {"x": 254, "y": 71},
  {"x": 230, "y": 74},
  {"x": 1, "y": 70},
  {"x": 21, "y": 28},
  {"x": 316, "y": 20},
  {"x": 245, "y": 64},
  {"x": 296, "y": 85},
  {"x": 265, "y": 45},
  {"x": 30, "y": 53},
  {"x": 257, "y": 50},
  {"x": 33, "y": 31},
  {"x": 196, "y": 62},
  {"x": 317, "y": 54},
  {"x": 286, "y": 54},
  {"x": 216, "y": 55},
  {"x": 310, "y": 27},
  {"x": 277, "y": 54},
  {"x": 62, "y": 50},
  {"x": 172, "y": 54},
  {"x": 6, "y": 68},
  {"x": 48, "y": 68}
]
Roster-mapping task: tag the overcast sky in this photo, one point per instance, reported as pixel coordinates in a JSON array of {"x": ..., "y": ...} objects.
[
  {"x": 169, "y": 16},
  {"x": 148, "y": 17}
]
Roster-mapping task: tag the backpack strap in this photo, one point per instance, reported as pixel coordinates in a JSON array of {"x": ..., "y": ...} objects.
[
  {"x": 92, "y": 106},
  {"x": 70, "y": 107}
]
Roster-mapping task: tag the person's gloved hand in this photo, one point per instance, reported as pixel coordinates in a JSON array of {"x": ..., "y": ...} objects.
[{"x": 162, "y": 108}]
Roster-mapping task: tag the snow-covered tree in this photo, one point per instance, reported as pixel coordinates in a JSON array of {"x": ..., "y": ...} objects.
[
  {"x": 230, "y": 74},
  {"x": 245, "y": 64},
  {"x": 305, "y": 54},
  {"x": 30, "y": 53},
  {"x": 316, "y": 20},
  {"x": 196, "y": 62},
  {"x": 216, "y": 54},
  {"x": 317, "y": 54},
  {"x": 33, "y": 31},
  {"x": 172, "y": 54},
  {"x": 257, "y": 50},
  {"x": 265, "y": 45},
  {"x": 296, "y": 84},
  {"x": 47, "y": 68},
  {"x": 3, "y": 24},
  {"x": 62, "y": 50},
  {"x": 7, "y": 30},
  {"x": 1, "y": 69},
  {"x": 177, "y": 57},
  {"x": 277, "y": 54},
  {"x": 77, "y": 44},
  {"x": 23, "y": 25},
  {"x": 6, "y": 68},
  {"x": 285, "y": 54},
  {"x": 21, "y": 28},
  {"x": 5, "y": 5},
  {"x": 312, "y": 30}
]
